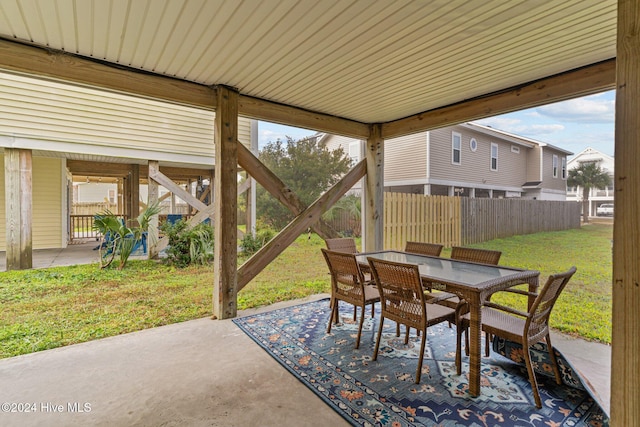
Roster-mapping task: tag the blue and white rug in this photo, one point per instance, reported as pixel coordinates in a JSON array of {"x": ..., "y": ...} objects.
[{"x": 383, "y": 393}]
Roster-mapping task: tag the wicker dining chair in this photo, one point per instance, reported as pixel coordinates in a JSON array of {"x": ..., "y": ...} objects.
[
  {"x": 520, "y": 327},
  {"x": 423, "y": 248},
  {"x": 342, "y": 244},
  {"x": 403, "y": 301},
  {"x": 483, "y": 256},
  {"x": 348, "y": 285}
]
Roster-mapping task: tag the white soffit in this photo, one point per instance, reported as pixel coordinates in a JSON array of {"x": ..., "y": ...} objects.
[{"x": 371, "y": 61}]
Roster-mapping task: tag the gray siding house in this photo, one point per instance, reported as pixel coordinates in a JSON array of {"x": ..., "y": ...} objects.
[{"x": 468, "y": 160}]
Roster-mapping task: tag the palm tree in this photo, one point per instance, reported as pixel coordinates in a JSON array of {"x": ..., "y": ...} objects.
[{"x": 588, "y": 176}]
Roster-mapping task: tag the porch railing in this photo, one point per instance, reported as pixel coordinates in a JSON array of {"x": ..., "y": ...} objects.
[{"x": 81, "y": 227}]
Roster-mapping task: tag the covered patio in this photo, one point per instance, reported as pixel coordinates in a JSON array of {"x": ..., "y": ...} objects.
[
  {"x": 196, "y": 373},
  {"x": 370, "y": 71}
]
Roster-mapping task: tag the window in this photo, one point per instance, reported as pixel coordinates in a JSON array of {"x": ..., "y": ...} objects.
[
  {"x": 494, "y": 156},
  {"x": 555, "y": 166},
  {"x": 473, "y": 144},
  {"x": 515, "y": 149},
  {"x": 564, "y": 168},
  {"x": 456, "y": 143},
  {"x": 112, "y": 196}
]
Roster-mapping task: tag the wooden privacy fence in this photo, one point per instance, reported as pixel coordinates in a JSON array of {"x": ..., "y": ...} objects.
[
  {"x": 420, "y": 218},
  {"x": 486, "y": 219},
  {"x": 454, "y": 221}
]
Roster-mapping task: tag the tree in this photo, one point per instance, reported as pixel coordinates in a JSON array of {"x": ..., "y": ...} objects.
[
  {"x": 588, "y": 176},
  {"x": 306, "y": 166}
]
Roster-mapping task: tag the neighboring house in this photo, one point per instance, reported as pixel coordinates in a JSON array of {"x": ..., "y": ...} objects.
[
  {"x": 74, "y": 133},
  {"x": 469, "y": 160},
  {"x": 596, "y": 196}
]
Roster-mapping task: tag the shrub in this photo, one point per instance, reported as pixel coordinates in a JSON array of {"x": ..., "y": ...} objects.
[
  {"x": 249, "y": 244},
  {"x": 188, "y": 245}
]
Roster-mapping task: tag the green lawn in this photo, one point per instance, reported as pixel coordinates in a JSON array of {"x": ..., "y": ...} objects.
[{"x": 48, "y": 308}]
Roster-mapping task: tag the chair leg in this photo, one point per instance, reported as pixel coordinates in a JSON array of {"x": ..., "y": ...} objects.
[
  {"x": 375, "y": 352},
  {"x": 334, "y": 313},
  {"x": 552, "y": 355},
  {"x": 397, "y": 329},
  {"x": 487, "y": 338},
  {"x": 420, "y": 356},
  {"x": 532, "y": 375},
  {"x": 459, "y": 349},
  {"x": 360, "y": 325}
]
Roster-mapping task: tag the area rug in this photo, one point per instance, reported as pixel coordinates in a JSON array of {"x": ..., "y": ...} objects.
[{"x": 383, "y": 393}]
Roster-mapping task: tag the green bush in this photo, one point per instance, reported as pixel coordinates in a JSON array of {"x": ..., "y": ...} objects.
[
  {"x": 188, "y": 245},
  {"x": 249, "y": 244}
]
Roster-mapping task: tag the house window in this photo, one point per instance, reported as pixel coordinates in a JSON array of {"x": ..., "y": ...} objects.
[
  {"x": 564, "y": 168},
  {"x": 112, "y": 196},
  {"x": 555, "y": 166},
  {"x": 515, "y": 149},
  {"x": 494, "y": 156},
  {"x": 473, "y": 144},
  {"x": 456, "y": 144}
]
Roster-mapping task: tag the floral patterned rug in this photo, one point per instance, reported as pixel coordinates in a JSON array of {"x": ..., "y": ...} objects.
[{"x": 383, "y": 393}]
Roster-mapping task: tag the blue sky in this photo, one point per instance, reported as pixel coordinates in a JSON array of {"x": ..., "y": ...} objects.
[{"x": 573, "y": 125}]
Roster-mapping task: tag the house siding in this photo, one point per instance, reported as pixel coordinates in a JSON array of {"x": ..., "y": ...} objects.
[
  {"x": 56, "y": 112},
  {"x": 548, "y": 181},
  {"x": 475, "y": 167},
  {"x": 48, "y": 182},
  {"x": 405, "y": 159}
]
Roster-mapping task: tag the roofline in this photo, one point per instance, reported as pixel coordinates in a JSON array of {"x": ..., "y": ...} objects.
[{"x": 523, "y": 140}]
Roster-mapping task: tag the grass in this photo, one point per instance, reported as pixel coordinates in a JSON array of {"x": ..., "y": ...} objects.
[{"x": 54, "y": 307}]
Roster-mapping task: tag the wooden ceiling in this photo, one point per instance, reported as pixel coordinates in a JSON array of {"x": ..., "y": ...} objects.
[{"x": 362, "y": 61}]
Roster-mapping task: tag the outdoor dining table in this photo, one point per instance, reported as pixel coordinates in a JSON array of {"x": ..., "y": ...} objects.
[{"x": 472, "y": 282}]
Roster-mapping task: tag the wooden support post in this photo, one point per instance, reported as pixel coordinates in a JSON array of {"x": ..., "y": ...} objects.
[
  {"x": 374, "y": 192},
  {"x": 225, "y": 191},
  {"x": 18, "y": 173},
  {"x": 625, "y": 355},
  {"x": 152, "y": 236},
  {"x": 135, "y": 193}
]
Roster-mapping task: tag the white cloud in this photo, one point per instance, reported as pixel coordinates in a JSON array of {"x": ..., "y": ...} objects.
[
  {"x": 518, "y": 127},
  {"x": 590, "y": 109}
]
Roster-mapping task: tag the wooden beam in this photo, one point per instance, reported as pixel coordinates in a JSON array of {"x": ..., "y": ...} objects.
[
  {"x": 135, "y": 191},
  {"x": 374, "y": 192},
  {"x": 121, "y": 170},
  {"x": 261, "y": 109},
  {"x": 580, "y": 82},
  {"x": 625, "y": 354},
  {"x": 274, "y": 185},
  {"x": 226, "y": 204},
  {"x": 282, "y": 240},
  {"x": 152, "y": 235},
  {"x": 167, "y": 183},
  {"x": 18, "y": 189},
  {"x": 60, "y": 65}
]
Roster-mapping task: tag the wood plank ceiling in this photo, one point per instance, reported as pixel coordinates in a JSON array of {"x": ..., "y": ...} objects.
[{"x": 368, "y": 61}]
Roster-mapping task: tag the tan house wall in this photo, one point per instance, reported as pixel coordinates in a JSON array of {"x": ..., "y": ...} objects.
[
  {"x": 405, "y": 159},
  {"x": 548, "y": 181},
  {"x": 475, "y": 167},
  {"x": 48, "y": 112},
  {"x": 48, "y": 201}
]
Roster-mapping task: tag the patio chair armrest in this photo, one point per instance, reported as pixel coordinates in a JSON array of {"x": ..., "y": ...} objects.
[
  {"x": 521, "y": 292},
  {"x": 505, "y": 308}
]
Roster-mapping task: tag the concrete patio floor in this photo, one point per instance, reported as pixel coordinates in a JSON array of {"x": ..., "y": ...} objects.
[{"x": 196, "y": 373}]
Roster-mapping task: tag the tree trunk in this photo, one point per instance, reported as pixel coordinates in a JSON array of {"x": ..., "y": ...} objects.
[{"x": 585, "y": 205}]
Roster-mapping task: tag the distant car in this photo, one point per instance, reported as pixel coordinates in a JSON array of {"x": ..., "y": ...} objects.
[{"x": 605, "y": 209}]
